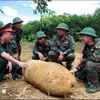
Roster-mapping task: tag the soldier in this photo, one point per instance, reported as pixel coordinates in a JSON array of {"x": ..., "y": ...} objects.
[
  {"x": 89, "y": 68},
  {"x": 63, "y": 46},
  {"x": 17, "y": 32},
  {"x": 12, "y": 49},
  {"x": 7, "y": 62},
  {"x": 41, "y": 47}
]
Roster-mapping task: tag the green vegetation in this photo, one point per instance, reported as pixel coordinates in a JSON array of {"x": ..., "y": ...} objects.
[
  {"x": 41, "y": 8},
  {"x": 50, "y": 21}
]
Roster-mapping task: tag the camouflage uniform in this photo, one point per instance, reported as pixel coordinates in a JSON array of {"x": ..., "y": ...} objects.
[
  {"x": 44, "y": 49},
  {"x": 12, "y": 47},
  {"x": 90, "y": 66},
  {"x": 17, "y": 38},
  {"x": 67, "y": 46},
  {"x": 17, "y": 33}
]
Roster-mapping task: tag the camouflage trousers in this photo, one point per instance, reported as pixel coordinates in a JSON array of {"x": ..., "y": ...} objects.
[
  {"x": 19, "y": 49},
  {"x": 53, "y": 57},
  {"x": 89, "y": 72},
  {"x": 15, "y": 68}
]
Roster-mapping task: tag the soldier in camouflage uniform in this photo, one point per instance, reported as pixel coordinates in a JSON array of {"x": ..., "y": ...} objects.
[
  {"x": 63, "y": 46},
  {"x": 89, "y": 68},
  {"x": 41, "y": 47},
  {"x": 14, "y": 47},
  {"x": 7, "y": 62},
  {"x": 16, "y": 26}
]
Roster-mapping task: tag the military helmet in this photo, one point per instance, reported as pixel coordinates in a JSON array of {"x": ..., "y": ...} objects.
[
  {"x": 40, "y": 34},
  {"x": 17, "y": 20},
  {"x": 88, "y": 31},
  {"x": 63, "y": 26}
]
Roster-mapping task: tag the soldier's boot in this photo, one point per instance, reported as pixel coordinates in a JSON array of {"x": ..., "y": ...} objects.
[
  {"x": 93, "y": 89},
  {"x": 92, "y": 77},
  {"x": 15, "y": 76},
  {"x": 68, "y": 66}
]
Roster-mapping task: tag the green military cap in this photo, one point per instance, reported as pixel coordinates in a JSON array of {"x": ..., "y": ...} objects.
[
  {"x": 63, "y": 26},
  {"x": 88, "y": 31},
  {"x": 17, "y": 20},
  {"x": 40, "y": 34}
]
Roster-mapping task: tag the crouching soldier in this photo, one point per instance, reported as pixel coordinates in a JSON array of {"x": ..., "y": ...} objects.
[
  {"x": 89, "y": 68},
  {"x": 7, "y": 62},
  {"x": 41, "y": 47},
  {"x": 63, "y": 47}
]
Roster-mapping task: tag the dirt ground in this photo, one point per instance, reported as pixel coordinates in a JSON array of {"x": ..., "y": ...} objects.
[{"x": 19, "y": 89}]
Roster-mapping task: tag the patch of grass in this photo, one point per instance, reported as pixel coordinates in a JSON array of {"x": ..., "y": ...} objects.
[{"x": 79, "y": 47}]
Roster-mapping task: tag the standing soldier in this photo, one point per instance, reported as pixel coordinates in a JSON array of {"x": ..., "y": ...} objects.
[
  {"x": 89, "y": 68},
  {"x": 7, "y": 62},
  {"x": 63, "y": 46},
  {"x": 17, "y": 32},
  {"x": 14, "y": 46},
  {"x": 41, "y": 47}
]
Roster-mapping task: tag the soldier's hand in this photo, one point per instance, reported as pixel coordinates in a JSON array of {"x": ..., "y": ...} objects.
[
  {"x": 41, "y": 56},
  {"x": 22, "y": 64},
  {"x": 60, "y": 58},
  {"x": 9, "y": 66},
  {"x": 73, "y": 71}
]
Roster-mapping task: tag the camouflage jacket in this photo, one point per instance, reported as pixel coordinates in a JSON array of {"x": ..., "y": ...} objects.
[
  {"x": 92, "y": 52},
  {"x": 8, "y": 47},
  {"x": 44, "y": 49},
  {"x": 67, "y": 45},
  {"x": 12, "y": 47},
  {"x": 18, "y": 36}
]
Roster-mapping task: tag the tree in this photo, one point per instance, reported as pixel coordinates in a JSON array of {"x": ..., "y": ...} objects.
[
  {"x": 97, "y": 12},
  {"x": 30, "y": 29},
  {"x": 41, "y": 7}
]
